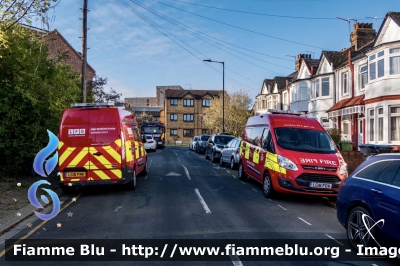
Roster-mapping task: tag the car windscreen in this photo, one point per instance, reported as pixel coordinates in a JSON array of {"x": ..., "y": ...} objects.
[
  {"x": 205, "y": 138},
  {"x": 304, "y": 140},
  {"x": 222, "y": 140},
  {"x": 151, "y": 130}
]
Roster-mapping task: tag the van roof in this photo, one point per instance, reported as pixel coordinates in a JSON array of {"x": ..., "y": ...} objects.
[
  {"x": 124, "y": 115},
  {"x": 283, "y": 120}
]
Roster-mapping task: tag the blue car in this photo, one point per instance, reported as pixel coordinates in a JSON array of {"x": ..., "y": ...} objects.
[{"x": 369, "y": 199}]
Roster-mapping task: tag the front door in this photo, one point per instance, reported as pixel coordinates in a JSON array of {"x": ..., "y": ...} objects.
[{"x": 360, "y": 132}]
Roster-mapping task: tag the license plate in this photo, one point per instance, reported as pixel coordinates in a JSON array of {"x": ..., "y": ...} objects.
[
  {"x": 159, "y": 142},
  {"x": 76, "y": 174},
  {"x": 320, "y": 185}
]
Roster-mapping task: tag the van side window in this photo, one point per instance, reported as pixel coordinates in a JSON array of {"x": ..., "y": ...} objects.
[
  {"x": 267, "y": 142},
  {"x": 255, "y": 135},
  {"x": 248, "y": 133},
  {"x": 136, "y": 133}
]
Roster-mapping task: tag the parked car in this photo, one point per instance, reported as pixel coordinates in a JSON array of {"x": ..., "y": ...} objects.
[
  {"x": 192, "y": 144},
  {"x": 215, "y": 144},
  {"x": 230, "y": 153},
  {"x": 150, "y": 143},
  {"x": 201, "y": 143},
  {"x": 369, "y": 196}
]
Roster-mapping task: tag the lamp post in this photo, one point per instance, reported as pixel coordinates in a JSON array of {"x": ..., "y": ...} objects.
[{"x": 223, "y": 91}]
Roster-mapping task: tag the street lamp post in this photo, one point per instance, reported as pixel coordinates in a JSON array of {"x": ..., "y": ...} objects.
[{"x": 223, "y": 91}]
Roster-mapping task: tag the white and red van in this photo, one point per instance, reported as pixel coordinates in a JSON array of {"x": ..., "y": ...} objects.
[
  {"x": 99, "y": 144},
  {"x": 289, "y": 153}
]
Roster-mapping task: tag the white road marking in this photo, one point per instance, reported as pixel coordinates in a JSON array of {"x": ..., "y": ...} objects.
[
  {"x": 282, "y": 207},
  {"x": 186, "y": 171},
  {"x": 333, "y": 239},
  {"x": 179, "y": 159},
  {"x": 234, "y": 176},
  {"x": 255, "y": 190},
  {"x": 145, "y": 177},
  {"x": 243, "y": 182},
  {"x": 235, "y": 260},
  {"x": 270, "y": 199},
  {"x": 304, "y": 221},
  {"x": 203, "y": 203},
  {"x": 228, "y": 171}
]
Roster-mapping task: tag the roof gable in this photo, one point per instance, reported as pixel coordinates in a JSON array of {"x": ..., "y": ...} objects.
[
  {"x": 325, "y": 66},
  {"x": 304, "y": 72},
  {"x": 389, "y": 30},
  {"x": 267, "y": 86}
]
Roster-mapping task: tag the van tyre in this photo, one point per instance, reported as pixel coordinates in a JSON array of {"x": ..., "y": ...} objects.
[
  {"x": 356, "y": 229},
  {"x": 241, "y": 174},
  {"x": 268, "y": 190},
  {"x": 132, "y": 183}
]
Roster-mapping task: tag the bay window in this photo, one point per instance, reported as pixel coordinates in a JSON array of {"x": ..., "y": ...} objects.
[
  {"x": 380, "y": 124},
  {"x": 395, "y": 123},
  {"x": 317, "y": 88},
  {"x": 394, "y": 61},
  {"x": 377, "y": 65},
  {"x": 371, "y": 125},
  {"x": 363, "y": 76},
  {"x": 345, "y": 82},
  {"x": 325, "y": 87}
]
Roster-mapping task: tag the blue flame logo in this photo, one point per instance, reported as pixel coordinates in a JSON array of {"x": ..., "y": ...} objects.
[
  {"x": 54, "y": 197},
  {"x": 43, "y": 154},
  {"x": 39, "y": 163}
]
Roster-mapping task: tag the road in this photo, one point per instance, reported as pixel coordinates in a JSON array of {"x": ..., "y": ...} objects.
[{"x": 184, "y": 196}]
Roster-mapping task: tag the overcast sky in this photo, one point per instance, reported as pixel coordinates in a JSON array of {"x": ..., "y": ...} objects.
[{"x": 141, "y": 44}]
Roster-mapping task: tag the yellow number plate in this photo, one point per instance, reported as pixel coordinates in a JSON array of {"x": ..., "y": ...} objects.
[{"x": 76, "y": 174}]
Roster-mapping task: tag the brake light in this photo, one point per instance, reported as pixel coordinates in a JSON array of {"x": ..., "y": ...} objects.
[{"x": 150, "y": 141}]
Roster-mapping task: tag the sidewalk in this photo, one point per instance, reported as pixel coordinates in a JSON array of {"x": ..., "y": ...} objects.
[{"x": 14, "y": 203}]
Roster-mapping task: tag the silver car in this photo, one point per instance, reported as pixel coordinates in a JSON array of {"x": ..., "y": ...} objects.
[
  {"x": 230, "y": 153},
  {"x": 192, "y": 144}
]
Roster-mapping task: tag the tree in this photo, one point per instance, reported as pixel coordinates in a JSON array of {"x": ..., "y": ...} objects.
[
  {"x": 140, "y": 117},
  {"x": 97, "y": 94},
  {"x": 34, "y": 92},
  {"x": 237, "y": 111}
]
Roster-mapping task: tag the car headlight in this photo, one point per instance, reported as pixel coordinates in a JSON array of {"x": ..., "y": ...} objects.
[
  {"x": 286, "y": 163},
  {"x": 343, "y": 169}
]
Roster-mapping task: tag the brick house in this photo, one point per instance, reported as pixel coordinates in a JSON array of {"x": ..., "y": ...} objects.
[{"x": 183, "y": 113}]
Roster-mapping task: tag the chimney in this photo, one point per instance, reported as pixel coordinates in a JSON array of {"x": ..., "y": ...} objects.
[
  {"x": 362, "y": 34},
  {"x": 298, "y": 61}
]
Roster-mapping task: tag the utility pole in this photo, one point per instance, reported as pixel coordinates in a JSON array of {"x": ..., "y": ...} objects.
[{"x": 84, "y": 49}]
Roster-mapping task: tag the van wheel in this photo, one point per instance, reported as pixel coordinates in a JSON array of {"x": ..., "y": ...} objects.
[
  {"x": 66, "y": 189},
  {"x": 268, "y": 190},
  {"x": 241, "y": 174},
  {"x": 233, "y": 166},
  {"x": 132, "y": 183}
]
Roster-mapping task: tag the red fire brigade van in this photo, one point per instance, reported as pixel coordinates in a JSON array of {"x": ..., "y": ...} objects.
[
  {"x": 99, "y": 144},
  {"x": 289, "y": 153}
]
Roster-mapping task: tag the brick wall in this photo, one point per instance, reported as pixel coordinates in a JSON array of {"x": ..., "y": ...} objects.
[
  {"x": 353, "y": 159},
  {"x": 197, "y": 125},
  {"x": 58, "y": 45}
]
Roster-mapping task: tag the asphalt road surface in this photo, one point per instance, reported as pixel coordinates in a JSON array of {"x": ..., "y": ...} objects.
[{"x": 184, "y": 196}]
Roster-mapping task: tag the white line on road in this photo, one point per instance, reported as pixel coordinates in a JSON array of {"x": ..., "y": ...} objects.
[
  {"x": 333, "y": 239},
  {"x": 228, "y": 171},
  {"x": 203, "y": 203},
  {"x": 282, "y": 207},
  {"x": 145, "y": 177},
  {"x": 235, "y": 260},
  {"x": 270, "y": 199},
  {"x": 255, "y": 190},
  {"x": 186, "y": 171},
  {"x": 304, "y": 221},
  {"x": 234, "y": 176},
  {"x": 179, "y": 159},
  {"x": 243, "y": 182}
]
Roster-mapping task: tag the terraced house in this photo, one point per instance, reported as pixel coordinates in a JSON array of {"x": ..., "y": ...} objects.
[
  {"x": 184, "y": 113},
  {"x": 356, "y": 90}
]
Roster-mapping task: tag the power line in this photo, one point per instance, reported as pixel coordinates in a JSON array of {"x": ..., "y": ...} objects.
[
  {"x": 254, "y": 13},
  {"x": 155, "y": 26},
  {"x": 237, "y": 27},
  {"x": 183, "y": 27}
]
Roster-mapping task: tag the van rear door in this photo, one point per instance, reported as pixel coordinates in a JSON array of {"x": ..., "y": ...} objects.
[
  {"x": 104, "y": 144},
  {"x": 74, "y": 145}
]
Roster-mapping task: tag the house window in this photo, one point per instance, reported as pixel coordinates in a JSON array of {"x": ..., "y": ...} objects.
[
  {"x": 303, "y": 92},
  {"x": 188, "y": 102},
  {"x": 188, "y": 132},
  {"x": 285, "y": 100},
  {"x": 346, "y": 130},
  {"x": 188, "y": 118},
  {"x": 317, "y": 88},
  {"x": 313, "y": 89},
  {"x": 395, "y": 123},
  {"x": 269, "y": 103},
  {"x": 207, "y": 103},
  {"x": 205, "y": 131},
  {"x": 173, "y": 132},
  {"x": 345, "y": 82},
  {"x": 325, "y": 122},
  {"x": 377, "y": 65},
  {"x": 173, "y": 101},
  {"x": 325, "y": 87},
  {"x": 371, "y": 125},
  {"x": 363, "y": 76},
  {"x": 381, "y": 64},
  {"x": 173, "y": 117},
  {"x": 394, "y": 61},
  {"x": 274, "y": 103},
  {"x": 380, "y": 124}
]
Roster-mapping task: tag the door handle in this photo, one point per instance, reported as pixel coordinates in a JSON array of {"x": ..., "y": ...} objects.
[
  {"x": 376, "y": 191},
  {"x": 97, "y": 153}
]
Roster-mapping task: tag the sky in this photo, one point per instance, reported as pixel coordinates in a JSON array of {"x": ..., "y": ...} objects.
[{"x": 140, "y": 44}]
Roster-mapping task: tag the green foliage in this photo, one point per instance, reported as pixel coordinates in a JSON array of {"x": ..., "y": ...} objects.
[
  {"x": 97, "y": 94},
  {"x": 335, "y": 134},
  {"x": 34, "y": 92}
]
